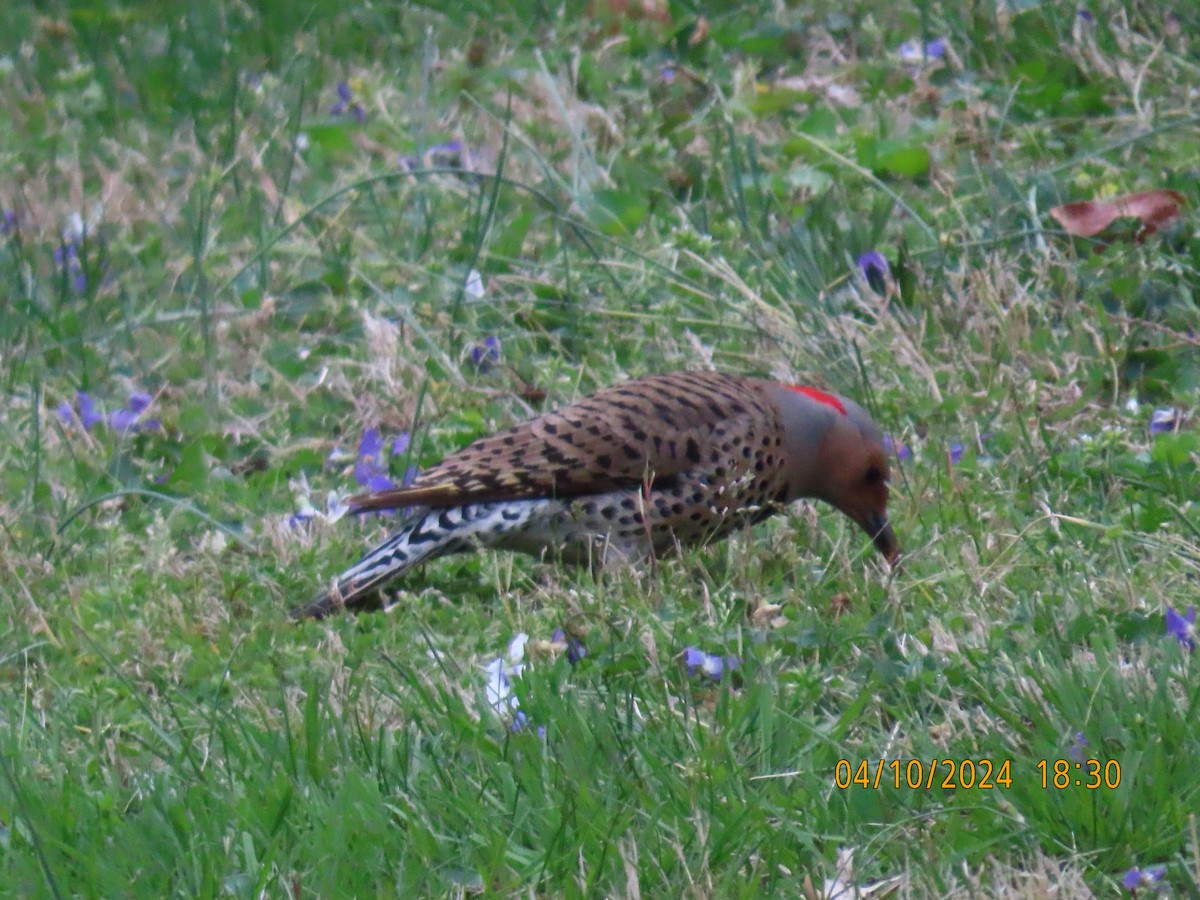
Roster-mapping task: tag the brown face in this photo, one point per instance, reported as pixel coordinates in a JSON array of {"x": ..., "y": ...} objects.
[{"x": 859, "y": 485}]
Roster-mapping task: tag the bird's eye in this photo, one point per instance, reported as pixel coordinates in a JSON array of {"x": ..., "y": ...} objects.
[{"x": 874, "y": 475}]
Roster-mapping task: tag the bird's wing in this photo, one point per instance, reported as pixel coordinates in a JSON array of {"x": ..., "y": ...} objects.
[{"x": 620, "y": 437}]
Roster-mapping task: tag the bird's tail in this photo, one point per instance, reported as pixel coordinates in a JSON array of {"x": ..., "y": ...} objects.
[
  {"x": 419, "y": 539},
  {"x": 426, "y": 535}
]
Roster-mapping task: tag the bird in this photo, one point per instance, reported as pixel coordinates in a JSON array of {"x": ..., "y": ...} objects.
[{"x": 634, "y": 471}]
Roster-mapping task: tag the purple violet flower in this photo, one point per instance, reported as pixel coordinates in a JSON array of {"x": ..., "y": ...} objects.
[
  {"x": 1164, "y": 421},
  {"x": 915, "y": 52},
  {"x": 400, "y": 443},
  {"x": 88, "y": 414},
  {"x": 873, "y": 263},
  {"x": 370, "y": 470},
  {"x": 1143, "y": 879},
  {"x": 709, "y": 665},
  {"x": 667, "y": 73},
  {"x": 575, "y": 648},
  {"x": 347, "y": 104},
  {"x": 138, "y": 401},
  {"x": 955, "y": 453},
  {"x": 129, "y": 417},
  {"x": 1182, "y": 626},
  {"x": 900, "y": 449},
  {"x": 84, "y": 408},
  {"x": 445, "y": 155},
  {"x": 1084, "y": 14},
  {"x": 875, "y": 270},
  {"x": 343, "y": 100},
  {"x": 66, "y": 257},
  {"x": 1078, "y": 748},
  {"x": 122, "y": 420},
  {"x": 486, "y": 353},
  {"x": 302, "y": 516}
]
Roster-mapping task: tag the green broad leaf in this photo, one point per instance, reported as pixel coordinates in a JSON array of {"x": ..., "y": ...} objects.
[
  {"x": 618, "y": 212},
  {"x": 904, "y": 160},
  {"x": 510, "y": 240},
  {"x": 331, "y": 137},
  {"x": 822, "y": 122},
  {"x": 191, "y": 471},
  {"x": 777, "y": 100},
  {"x": 1175, "y": 450}
]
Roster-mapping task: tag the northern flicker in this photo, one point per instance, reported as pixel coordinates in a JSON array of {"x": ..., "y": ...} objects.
[{"x": 633, "y": 471}]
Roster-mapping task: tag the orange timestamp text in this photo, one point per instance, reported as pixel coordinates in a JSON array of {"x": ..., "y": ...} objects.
[
  {"x": 970, "y": 774},
  {"x": 924, "y": 774}
]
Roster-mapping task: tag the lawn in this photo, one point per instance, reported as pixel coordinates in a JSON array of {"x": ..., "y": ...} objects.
[{"x": 252, "y": 255}]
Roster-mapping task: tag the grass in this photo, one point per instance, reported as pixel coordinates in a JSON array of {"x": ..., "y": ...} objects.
[{"x": 192, "y": 220}]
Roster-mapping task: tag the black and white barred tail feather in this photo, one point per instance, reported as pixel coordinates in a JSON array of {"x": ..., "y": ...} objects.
[{"x": 424, "y": 536}]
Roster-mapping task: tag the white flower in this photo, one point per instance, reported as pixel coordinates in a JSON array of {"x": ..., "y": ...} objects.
[
  {"x": 474, "y": 286},
  {"x": 501, "y": 671}
]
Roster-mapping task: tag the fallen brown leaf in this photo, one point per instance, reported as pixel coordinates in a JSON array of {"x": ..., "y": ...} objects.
[{"x": 1090, "y": 217}]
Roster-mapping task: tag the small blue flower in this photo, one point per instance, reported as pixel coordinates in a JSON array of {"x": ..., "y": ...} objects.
[
  {"x": 122, "y": 420},
  {"x": 126, "y": 419},
  {"x": 667, "y": 73},
  {"x": 129, "y": 417},
  {"x": 873, "y": 263},
  {"x": 875, "y": 270},
  {"x": 1078, "y": 748},
  {"x": 486, "y": 353},
  {"x": 446, "y": 155},
  {"x": 1084, "y": 14},
  {"x": 8, "y": 222},
  {"x": 575, "y": 648},
  {"x": 347, "y": 104},
  {"x": 400, "y": 443},
  {"x": 1182, "y": 626},
  {"x": 1144, "y": 879},
  {"x": 1164, "y": 421},
  {"x": 305, "y": 512},
  {"x": 915, "y": 52},
  {"x": 710, "y": 665},
  {"x": 901, "y": 449},
  {"x": 138, "y": 401},
  {"x": 955, "y": 453},
  {"x": 66, "y": 257},
  {"x": 88, "y": 414},
  {"x": 369, "y": 465},
  {"x": 84, "y": 408}
]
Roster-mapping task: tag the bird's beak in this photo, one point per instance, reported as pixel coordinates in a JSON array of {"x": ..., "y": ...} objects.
[{"x": 875, "y": 523}]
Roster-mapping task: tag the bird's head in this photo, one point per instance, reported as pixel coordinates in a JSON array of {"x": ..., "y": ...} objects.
[{"x": 844, "y": 460}]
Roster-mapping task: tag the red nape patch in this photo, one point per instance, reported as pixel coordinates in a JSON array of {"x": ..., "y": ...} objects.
[{"x": 819, "y": 396}]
